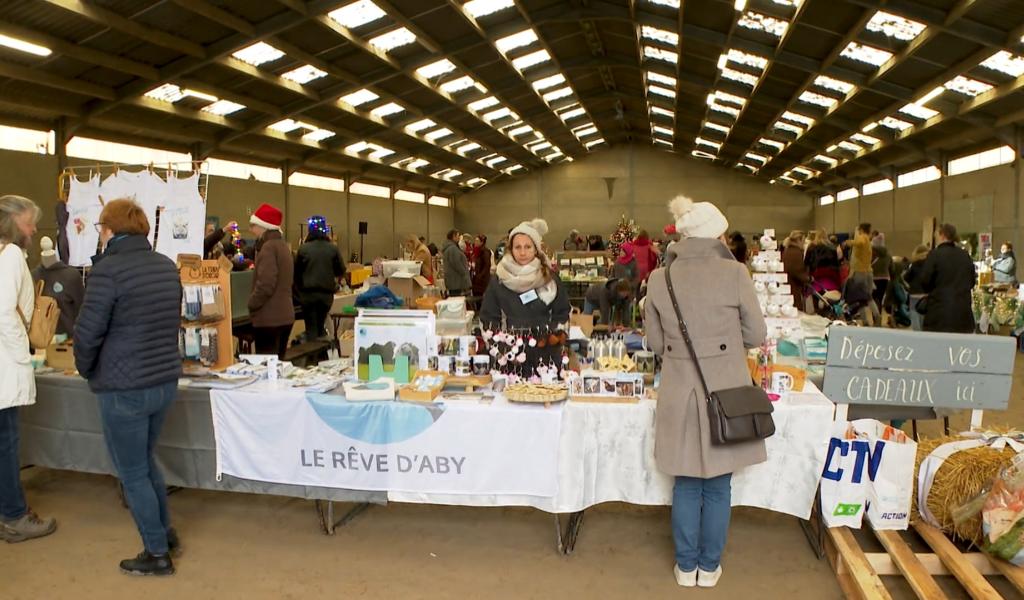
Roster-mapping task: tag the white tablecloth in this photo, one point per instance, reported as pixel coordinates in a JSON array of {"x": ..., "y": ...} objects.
[{"x": 606, "y": 454}]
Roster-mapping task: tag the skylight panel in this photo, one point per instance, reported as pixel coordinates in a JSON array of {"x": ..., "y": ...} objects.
[
  {"x": 544, "y": 144},
  {"x": 319, "y": 135},
  {"x": 657, "y": 110},
  {"x": 660, "y": 35},
  {"x": 500, "y": 113},
  {"x": 436, "y": 69},
  {"x": 556, "y": 94},
  {"x": 167, "y": 92},
  {"x": 469, "y": 147},
  {"x": 223, "y": 108},
  {"x": 359, "y": 97},
  {"x": 482, "y": 104},
  {"x": 23, "y": 46},
  {"x": 1004, "y": 62},
  {"x": 462, "y": 83},
  {"x": 807, "y": 173},
  {"x": 759, "y": 22},
  {"x": 798, "y": 118},
  {"x": 918, "y": 111},
  {"x": 967, "y": 86},
  {"x": 703, "y": 154},
  {"x": 849, "y": 146},
  {"x": 894, "y": 26},
  {"x": 739, "y": 76},
  {"x": 420, "y": 125},
  {"x": 752, "y": 168},
  {"x": 668, "y": 3},
  {"x": 482, "y": 8},
  {"x": 391, "y": 108},
  {"x": 534, "y": 58},
  {"x": 452, "y": 174},
  {"x": 304, "y": 74},
  {"x": 659, "y": 78},
  {"x": 438, "y": 134},
  {"x": 894, "y": 123},
  {"x": 663, "y": 142},
  {"x": 659, "y": 54},
  {"x": 417, "y": 163},
  {"x": 516, "y": 40},
  {"x": 726, "y": 97},
  {"x": 756, "y": 157},
  {"x": 724, "y": 108},
  {"x": 829, "y": 83},
  {"x": 593, "y": 143},
  {"x": 496, "y": 160},
  {"x": 716, "y": 145},
  {"x": 661, "y": 91},
  {"x": 258, "y": 53},
  {"x": 289, "y": 125},
  {"x": 818, "y": 99},
  {"x": 357, "y": 14},
  {"x": 521, "y": 130},
  {"x": 743, "y": 58},
  {"x": 396, "y": 38},
  {"x": 865, "y": 139},
  {"x": 828, "y": 160},
  {"x": 779, "y": 146},
  {"x": 547, "y": 82},
  {"x": 476, "y": 181},
  {"x": 716, "y": 127},
  {"x": 585, "y": 130},
  {"x": 789, "y": 127},
  {"x": 866, "y": 54},
  {"x": 658, "y": 129},
  {"x": 572, "y": 114}
]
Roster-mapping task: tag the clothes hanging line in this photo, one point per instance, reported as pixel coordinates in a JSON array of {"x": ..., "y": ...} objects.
[{"x": 166, "y": 170}]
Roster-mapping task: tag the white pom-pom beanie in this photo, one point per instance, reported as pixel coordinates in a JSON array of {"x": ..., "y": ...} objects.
[
  {"x": 697, "y": 219},
  {"x": 535, "y": 229}
]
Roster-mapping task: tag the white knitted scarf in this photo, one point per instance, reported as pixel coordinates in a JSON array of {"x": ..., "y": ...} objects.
[{"x": 523, "y": 278}]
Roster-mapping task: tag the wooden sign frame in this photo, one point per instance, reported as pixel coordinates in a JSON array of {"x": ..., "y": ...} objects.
[{"x": 193, "y": 270}]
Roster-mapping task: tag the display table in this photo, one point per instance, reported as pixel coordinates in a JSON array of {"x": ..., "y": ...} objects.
[{"x": 62, "y": 430}]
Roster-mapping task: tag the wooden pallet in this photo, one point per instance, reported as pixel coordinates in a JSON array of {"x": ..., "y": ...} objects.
[
  {"x": 860, "y": 573},
  {"x": 470, "y": 383}
]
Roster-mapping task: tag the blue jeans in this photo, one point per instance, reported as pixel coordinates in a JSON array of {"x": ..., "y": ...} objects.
[
  {"x": 700, "y": 520},
  {"x": 12, "y": 498},
  {"x": 132, "y": 421}
]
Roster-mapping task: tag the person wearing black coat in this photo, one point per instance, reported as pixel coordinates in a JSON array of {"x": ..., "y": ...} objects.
[
  {"x": 126, "y": 346},
  {"x": 318, "y": 267},
  {"x": 948, "y": 277}
]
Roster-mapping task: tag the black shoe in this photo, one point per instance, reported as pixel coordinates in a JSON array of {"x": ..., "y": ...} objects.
[
  {"x": 173, "y": 543},
  {"x": 148, "y": 564}
]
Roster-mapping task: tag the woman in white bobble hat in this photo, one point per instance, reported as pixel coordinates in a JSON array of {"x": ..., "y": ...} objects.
[
  {"x": 717, "y": 300},
  {"x": 525, "y": 292}
]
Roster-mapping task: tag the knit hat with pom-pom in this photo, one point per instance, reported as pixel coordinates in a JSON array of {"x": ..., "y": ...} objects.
[
  {"x": 697, "y": 219},
  {"x": 535, "y": 229}
]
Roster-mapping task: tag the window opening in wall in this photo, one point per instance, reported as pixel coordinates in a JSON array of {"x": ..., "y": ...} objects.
[
  {"x": 439, "y": 201},
  {"x": 408, "y": 196},
  {"x": 319, "y": 182},
  {"x": 27, "y": 140},
  {"x": 238, "y": 170},
  {"x": 847, "y": 194},
  {"x": 918, "y": 176},
  {"x": 93, "y": 149},
  {"x": 877, "y": 187},
  {"x": 826, "y": 200},
  {"x": 981, "y": 160},
  {"x": 368, "y": 189}
]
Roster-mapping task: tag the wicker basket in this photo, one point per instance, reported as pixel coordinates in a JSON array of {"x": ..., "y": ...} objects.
[{"x": 536, "y": 393}]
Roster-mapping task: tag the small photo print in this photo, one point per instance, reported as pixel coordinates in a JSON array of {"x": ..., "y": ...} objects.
[
  {"x": 608, "y": 386},
  {"x": 591, "y": 385},
  {"x": 625, "y": 388},
  {"x": 576, "y": 387}
]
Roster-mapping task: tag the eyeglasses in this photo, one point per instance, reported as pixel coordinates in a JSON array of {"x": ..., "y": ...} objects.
[{"x": 99, "y": 227}]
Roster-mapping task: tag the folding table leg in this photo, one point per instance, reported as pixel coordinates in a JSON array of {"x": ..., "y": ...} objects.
[
  {"x": 566, "y": 538},
  {"x": 325, "y": 512}
]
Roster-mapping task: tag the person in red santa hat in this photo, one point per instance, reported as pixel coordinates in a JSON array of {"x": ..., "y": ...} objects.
[{"x": 270, "y": 304}]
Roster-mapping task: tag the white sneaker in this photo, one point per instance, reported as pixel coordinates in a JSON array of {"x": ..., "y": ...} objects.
[
  {"x": 685, "y": 579},
  {"x": 709, "y": 580}
]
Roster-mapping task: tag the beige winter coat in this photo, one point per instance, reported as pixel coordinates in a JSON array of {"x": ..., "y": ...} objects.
[{"x": 720, "y": 306}]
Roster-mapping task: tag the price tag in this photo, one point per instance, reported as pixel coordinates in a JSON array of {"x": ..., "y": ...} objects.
[
  {"x": 208, "y": 296},
  {"x": 528, "y": 297}
]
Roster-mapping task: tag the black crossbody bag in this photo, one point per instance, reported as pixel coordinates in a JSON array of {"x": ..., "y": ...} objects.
[{"x": 736, "y": 415}]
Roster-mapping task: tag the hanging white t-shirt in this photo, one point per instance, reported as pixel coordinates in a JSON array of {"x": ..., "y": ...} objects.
[
  {"x": 182, "y": 219},
  {"x": 84, "y": 208},
  {"x": 146, "y": 189}
]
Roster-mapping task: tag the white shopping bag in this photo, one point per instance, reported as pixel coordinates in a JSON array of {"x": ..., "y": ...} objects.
[
  {"x": 843, "y": 482},
  {"x": 890, "y": 474}
]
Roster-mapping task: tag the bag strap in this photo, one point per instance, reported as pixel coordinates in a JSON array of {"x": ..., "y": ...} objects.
[{"x": 686, "y": 333}]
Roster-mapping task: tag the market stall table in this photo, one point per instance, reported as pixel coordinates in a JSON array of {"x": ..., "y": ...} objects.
[{"x": 62, "y": 430}]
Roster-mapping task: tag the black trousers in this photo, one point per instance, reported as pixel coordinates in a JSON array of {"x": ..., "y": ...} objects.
[
  {"x": 272, "y": 340},
  {"x": 315, "y": 312}
]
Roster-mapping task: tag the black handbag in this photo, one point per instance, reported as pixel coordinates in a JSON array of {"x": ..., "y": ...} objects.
[{"x": 736, "y": 415}]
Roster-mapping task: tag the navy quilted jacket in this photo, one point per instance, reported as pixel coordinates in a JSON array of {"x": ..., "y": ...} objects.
[{"x": 126, "y": 337}]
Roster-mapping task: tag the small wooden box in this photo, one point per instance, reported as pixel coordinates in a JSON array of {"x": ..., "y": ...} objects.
[{"x": 411, "y": 394}]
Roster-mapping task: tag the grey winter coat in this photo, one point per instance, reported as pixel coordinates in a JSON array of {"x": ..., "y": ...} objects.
[
  {"x": 456, "y": 268},
  {"x": 724, "y": 318}
]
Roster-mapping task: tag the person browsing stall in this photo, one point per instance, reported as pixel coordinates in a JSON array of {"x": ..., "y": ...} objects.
[
  {"x": 717, "y": 300},
  {"x": 318, "y": 267},
  {"x": 18, "y": 218},
  {"x": 126, "y": 346},
  {"x": 948, "y": 276},
  {"x": 418, "y": 251},
  {"x": 610, "y": 300},
  {"x": 270, "y": 304},
  {"x": 457, "y": 279}
]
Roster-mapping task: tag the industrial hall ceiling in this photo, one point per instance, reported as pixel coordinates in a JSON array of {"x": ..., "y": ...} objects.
[{"x": 450, "y": 95}]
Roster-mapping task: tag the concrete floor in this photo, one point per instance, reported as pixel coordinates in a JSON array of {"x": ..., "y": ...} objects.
[{"x": 240, "y": 545}]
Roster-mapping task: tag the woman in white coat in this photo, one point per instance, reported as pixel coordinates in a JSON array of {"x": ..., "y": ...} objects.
[{"x": 18, "y": 218}]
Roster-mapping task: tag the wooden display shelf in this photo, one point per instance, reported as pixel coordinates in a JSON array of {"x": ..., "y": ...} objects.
[
  {"x": 194, "y": 270},
  {"x": 470, "y": 383},
  {"x": 860, "y": 573}
]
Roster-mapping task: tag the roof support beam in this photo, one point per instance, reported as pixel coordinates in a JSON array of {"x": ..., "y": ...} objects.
[{"x": 112, "y": 19}]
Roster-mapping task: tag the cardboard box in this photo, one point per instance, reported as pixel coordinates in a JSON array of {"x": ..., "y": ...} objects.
[
  {"x": 408, "y": 288},
  {"x": 584, "y": 322},
  {"x": 347, "y": 346},
  {"x": 357, "y": 274},
  {"x": 61, "y": 356}
]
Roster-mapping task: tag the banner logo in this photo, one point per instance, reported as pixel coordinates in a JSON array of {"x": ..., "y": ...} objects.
[{"x": 375, "y": 422}]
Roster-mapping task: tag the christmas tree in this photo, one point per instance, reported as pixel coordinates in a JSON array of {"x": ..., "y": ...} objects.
[{"x": 625, "y": 231}]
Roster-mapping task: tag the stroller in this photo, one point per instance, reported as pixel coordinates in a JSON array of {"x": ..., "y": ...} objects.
[{"x": 830, "y": 304}]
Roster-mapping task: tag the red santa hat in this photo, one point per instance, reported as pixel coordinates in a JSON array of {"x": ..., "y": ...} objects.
[{"x": 267, "y": 217}]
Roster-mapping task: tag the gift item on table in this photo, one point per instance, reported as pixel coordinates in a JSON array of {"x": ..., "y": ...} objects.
[
  {"x": 453, "y": 309},
  {"x": 645, "y": 361},
  {"x": 593, "y": 383},
  {"x": 843, "y": 492},
  {"x": 191, "y": 303},
  {"x": 481, "y": 365},
  {"x": 1003, "y": 516},
  {"x": 463, "y": 366},
  {"x": 397, "y": 337},
  {"x": 212, "y": 303},
  {"x": 370, "y": 391},
  {"x": 518, "y": 353}
]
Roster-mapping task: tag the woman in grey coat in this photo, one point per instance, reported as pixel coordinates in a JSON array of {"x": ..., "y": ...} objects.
[{"x": 718, "y": 302}]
